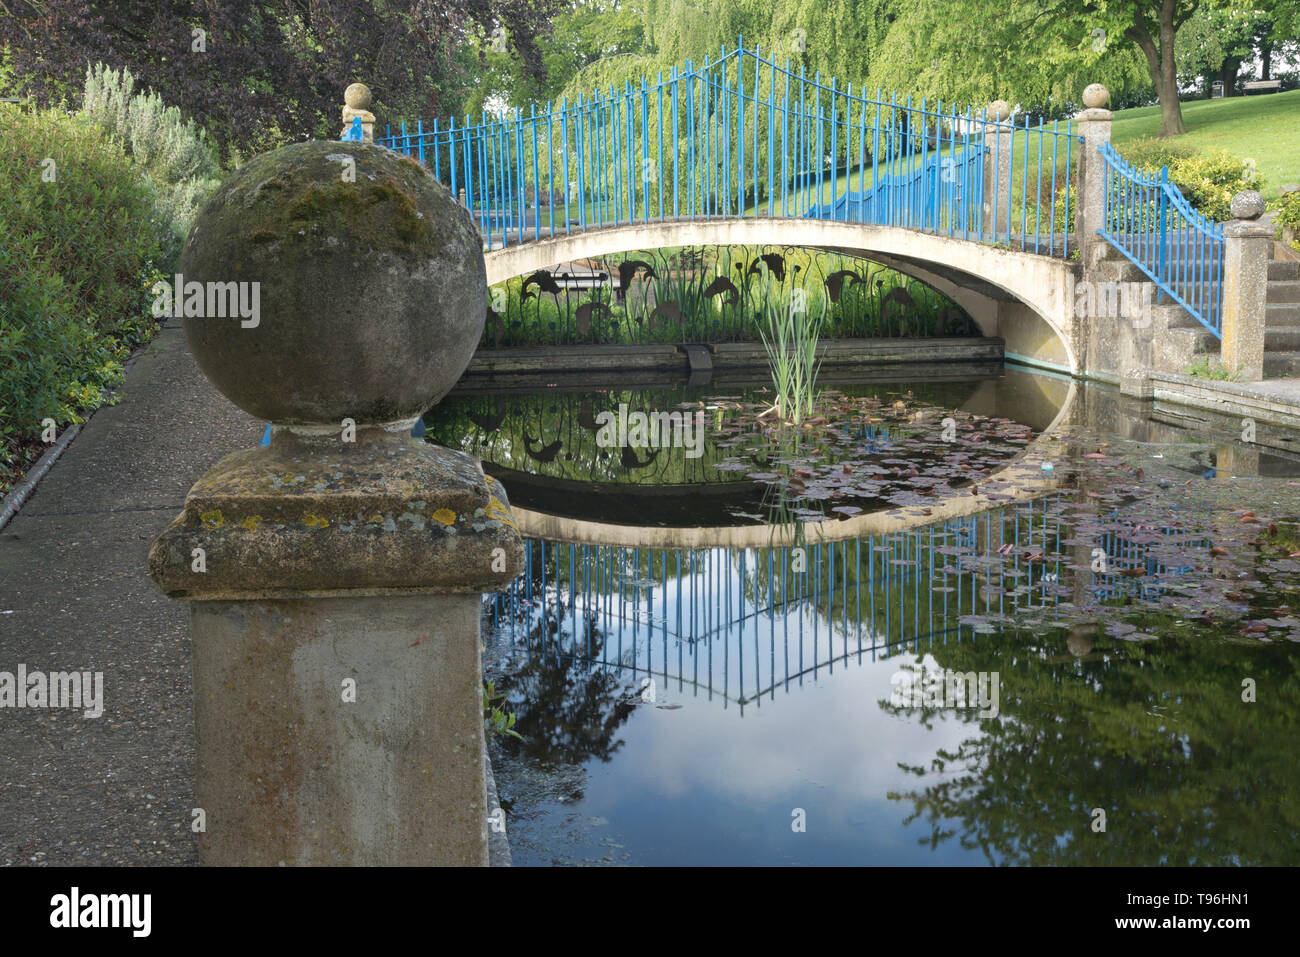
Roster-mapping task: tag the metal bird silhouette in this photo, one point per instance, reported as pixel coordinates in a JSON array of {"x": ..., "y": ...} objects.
[
  {"x": 543, "y": 280},
  {"x": 488, "y": 423},
  {"x": 665, "y": 310},
  {"x": 723, "y": 285},
  {"x": 630, "y": 461},
  {"x": 775, "y": 265},
  {"x": 627, "y": 270},
  {"x": 835, "y": 282},
  {"x": 542, "y": 454}
]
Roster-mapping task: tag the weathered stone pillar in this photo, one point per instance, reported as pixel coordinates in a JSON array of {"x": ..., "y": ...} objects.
[
  {"x": 335, "y": 576},
  {"x": 1093, "y": 124},
  {"x": 356, "y": 104},
  {"x": 1246, "y": 247},
  {"x": 998, "y": 137}
]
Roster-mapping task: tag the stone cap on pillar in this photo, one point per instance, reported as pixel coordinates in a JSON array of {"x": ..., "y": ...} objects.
[
  {"x": 356, "y": 106},
  {"x": 1095, "y": 98},
  {"x": 303, "y": 520},
  {"x": 367, "y": 289},
  {"x": 1247, "y": 207}
]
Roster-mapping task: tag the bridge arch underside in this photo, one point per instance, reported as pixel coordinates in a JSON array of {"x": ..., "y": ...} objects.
[{"x": 1024, "y": 298}]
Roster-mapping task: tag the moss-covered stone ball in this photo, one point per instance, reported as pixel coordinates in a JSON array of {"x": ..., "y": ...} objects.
[
  {"x": 359, "y": 282},
  {"x": 1095, "y": 96}
]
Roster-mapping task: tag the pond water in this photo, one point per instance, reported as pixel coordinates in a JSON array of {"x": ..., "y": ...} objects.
[{"x": 969, "y": 616}]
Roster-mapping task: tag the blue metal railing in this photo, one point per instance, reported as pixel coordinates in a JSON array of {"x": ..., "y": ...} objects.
[
  {"x": 1148, "y": 220},
  {"x": 744, "y": 136}
]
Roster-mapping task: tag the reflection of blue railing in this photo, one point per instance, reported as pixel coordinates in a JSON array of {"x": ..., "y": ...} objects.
[
  {"x": 742, "y": 135},
  {"x": 1149, "y": 221},
  {"x": 743, "y": 623}
]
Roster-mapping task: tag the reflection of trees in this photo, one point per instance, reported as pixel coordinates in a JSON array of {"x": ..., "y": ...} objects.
[
  {"x": 569, "y": 707},
  {"x": 1154, "y": 733},
  {"x": 554, "y": 434}
]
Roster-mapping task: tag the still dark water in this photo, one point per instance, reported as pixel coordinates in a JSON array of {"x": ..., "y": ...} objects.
[{"x": 973, "y": 617}]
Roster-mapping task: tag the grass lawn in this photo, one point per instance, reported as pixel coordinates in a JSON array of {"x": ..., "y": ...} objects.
[{"x": 1264, "y": 127}]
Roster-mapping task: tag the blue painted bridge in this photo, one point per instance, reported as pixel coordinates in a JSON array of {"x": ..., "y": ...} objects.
[
  {"x": 743, "y": 135},
  {"x": 980, "y": 204}
]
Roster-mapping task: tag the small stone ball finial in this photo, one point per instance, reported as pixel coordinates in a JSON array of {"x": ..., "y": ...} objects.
[
  {"x": 359, "y": 283},
  {"x": 1248, "y": 204},
  {"x": 357, "y": 96},
  {"x": 999, "y": 110},
  {"x": 1095, "y": 96}
]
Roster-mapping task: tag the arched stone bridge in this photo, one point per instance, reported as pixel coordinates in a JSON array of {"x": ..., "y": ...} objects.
[
  {"x": 1024, "y": 297},
  {"x": 1004, "y": 217}
]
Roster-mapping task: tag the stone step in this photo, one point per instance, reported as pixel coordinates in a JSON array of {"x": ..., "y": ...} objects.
[
  {"x": 1197, "y": 341},
  {"x": 1120, "y": 270},
  {"x": 1281, "y": 365},
  {"x": 1282, "y": 339},
  {"x": 1282, "y": 314},
  {"x": 1282, "y": 269},
  {"x": 1283, "y": 290},
  {"x": 1174, "y": 316}
]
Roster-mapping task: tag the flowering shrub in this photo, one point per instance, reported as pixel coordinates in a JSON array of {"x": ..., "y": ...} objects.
[
  {"x": 1208, "y": 180},
  {"x": 1288, "y": 215}
]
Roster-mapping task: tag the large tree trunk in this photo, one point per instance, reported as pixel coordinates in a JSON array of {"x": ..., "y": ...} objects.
[
  {"x": 1228, "y": 71},
  {"x": 1162, "y": 64}
]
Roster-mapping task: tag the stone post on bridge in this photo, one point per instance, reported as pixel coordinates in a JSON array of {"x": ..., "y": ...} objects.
[
  {"x": 334, "y": 576},
  {"x": 1246, "y": 247},
  {"x": 356, "y": 105},
  {"x": 999, "y": 135},
  {"x": 1093, "y": 123}
]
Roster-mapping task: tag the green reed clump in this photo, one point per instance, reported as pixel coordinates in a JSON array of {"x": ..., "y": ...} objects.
[{"x": 790, "y": 335}]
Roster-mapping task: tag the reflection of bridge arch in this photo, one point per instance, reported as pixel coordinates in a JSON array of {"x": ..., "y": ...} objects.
[
  {"x": 743, "y": 623},
  {"x": 1021, "y": 480},
  {"x": 987, "y": 281}
]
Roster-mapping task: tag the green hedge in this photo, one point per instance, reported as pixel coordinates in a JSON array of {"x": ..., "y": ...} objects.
[
  {"x": 81, "y": 240},
  {"x": 1207, "y": 180}
]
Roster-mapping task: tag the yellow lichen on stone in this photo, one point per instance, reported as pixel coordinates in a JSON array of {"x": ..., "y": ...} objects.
[
  {"x": 444, "y": 515},
  {"x": 311, "y": 521},
  {"x": 498, "y": 510},
  {"x": 376, "y": 519},
  {"x": 212, "y": 519},
  {"x": 251, "y": 523}
]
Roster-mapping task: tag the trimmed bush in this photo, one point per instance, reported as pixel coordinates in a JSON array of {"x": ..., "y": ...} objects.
[{"x": 76, "y": 264}]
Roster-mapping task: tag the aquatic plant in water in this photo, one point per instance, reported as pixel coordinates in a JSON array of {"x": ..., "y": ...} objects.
[{"x": 790, "y": 335}]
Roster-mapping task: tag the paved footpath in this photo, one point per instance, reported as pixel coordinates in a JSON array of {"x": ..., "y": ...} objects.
[{"x": 75, "y": 595}]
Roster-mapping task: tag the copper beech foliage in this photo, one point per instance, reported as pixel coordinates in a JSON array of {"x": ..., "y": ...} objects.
[{"x": 269, "y": 72}]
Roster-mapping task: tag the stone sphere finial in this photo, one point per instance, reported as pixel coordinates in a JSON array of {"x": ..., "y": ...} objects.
[
  {"x": 1095, "y": 96},
  {"x": 359, "y": 283},
  {"x": 999, "y": 110},
  {"x": 357, "y": 96},
  {"x": 1248, "y": 204}
]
